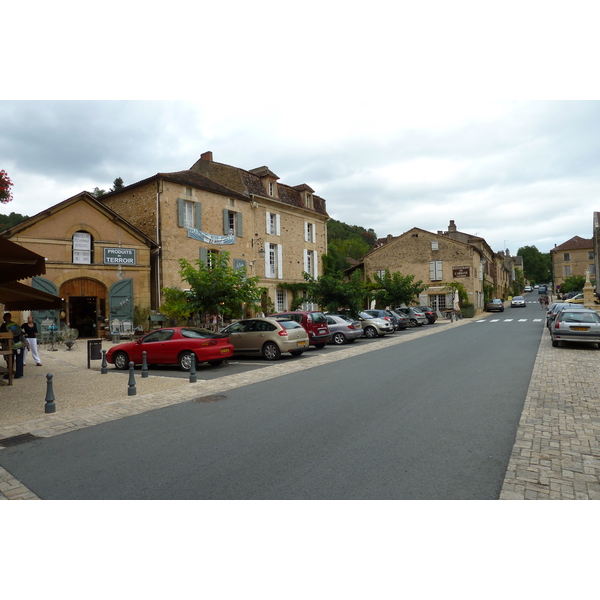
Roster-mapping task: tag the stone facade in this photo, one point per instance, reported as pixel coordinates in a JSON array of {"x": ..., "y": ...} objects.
[
  {"x": 573, "y": 257},
  {"x": 273, "y": 230},
  {"x": 434, "y": 259},
  {"x": 84, "y": 278}
]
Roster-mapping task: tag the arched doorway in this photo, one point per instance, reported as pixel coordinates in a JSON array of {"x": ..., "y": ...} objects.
[{"x": 85, "y": 305}]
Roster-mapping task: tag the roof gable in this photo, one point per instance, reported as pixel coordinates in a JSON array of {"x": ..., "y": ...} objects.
[{"x": 575, "y": 243}]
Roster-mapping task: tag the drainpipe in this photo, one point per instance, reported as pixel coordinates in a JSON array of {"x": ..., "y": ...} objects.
[{"x": 158, "y": 241}]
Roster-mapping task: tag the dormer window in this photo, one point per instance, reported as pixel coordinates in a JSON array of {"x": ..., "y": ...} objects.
[
  {"x": 271, "y": 188},
  {"x": 309, "y": 200}
]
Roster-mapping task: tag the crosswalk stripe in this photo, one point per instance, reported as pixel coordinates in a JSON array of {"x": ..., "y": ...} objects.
[{"x": 507, "y": 320}]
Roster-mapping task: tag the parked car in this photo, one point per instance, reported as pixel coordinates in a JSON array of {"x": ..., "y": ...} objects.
[
  {"x": 386, "y": 315},
  {"x": 374, "y": 326},
  {"x": 313, "y": 321},
  {"x": 553, "y": 311},
  {"x": 577, "y": 299},
  {"x": 403, "y": 320},
  {"x": 416, "y": 317},
  {"x": 428, "y": 312},
  {"x": 343, "y": 329},
  {"x": 267, "y": 337},
  {"x": 171, "y": 346},
  {"x": 517, "y": 301},
  {"x": 495, "y": 305},
  {"x": 576, "y": 324}
]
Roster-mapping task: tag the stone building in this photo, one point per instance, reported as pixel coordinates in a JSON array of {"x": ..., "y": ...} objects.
[
  {"x": 96, "y": 261},
  {"x": 573, "y": 257},
  {"x": 273, "y": 230},
  {"x": 434, "y": 259}
]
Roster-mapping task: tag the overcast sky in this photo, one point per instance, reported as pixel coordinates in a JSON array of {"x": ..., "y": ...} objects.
[{"x": 396, "y": 122}]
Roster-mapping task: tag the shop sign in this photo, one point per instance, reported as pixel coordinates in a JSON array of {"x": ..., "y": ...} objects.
[
  {"x": 461, "y": 272},
  {"x": 119, "y": 256}
]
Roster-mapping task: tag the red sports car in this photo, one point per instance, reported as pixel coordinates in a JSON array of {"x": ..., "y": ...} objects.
[{"x": 173, "y": 345}]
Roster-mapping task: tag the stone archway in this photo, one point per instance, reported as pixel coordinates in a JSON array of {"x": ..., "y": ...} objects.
[{"x": 85, "y": 305}]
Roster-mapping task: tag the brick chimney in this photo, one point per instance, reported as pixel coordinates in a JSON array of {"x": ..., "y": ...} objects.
[
  {"x": 207, "y": 156},
  {"x": 451, "y": 227}
]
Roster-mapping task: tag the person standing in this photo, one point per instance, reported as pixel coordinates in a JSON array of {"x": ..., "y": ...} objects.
[
  {"x": 18, "y": 344},
  {"x": 31, "y": 333}
]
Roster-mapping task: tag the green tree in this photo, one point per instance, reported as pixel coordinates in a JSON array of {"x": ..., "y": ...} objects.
[
  {"x": 519, "y": 282},
  {"x": 574, "y": 283},
  {"x": 537, "y": 266},
  {"x": 8, "y": 221},
  {"x": 334, "y": 295},
  {"x": 395, "y": 289},
  {"x": 117, "y": 185},
  {"x": 217, "y": 288},
  {"x": 176, "y": 305},
  {"x": 98, "y": 193}
]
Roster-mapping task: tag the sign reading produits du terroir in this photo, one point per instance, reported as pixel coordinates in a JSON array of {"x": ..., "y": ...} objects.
[{"x": 119, "y": 256}]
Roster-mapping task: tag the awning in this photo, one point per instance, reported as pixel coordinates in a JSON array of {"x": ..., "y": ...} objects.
[
  {"x": 17, "y": 296},
  {"x": 16, "y": 262}
]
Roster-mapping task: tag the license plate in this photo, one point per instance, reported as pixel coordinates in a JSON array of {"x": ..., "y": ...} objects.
[
  {"x": 580, "y": 328},
  {"x": 322, "y": 331},
  {"x": 300, "y": 343},
  {"x": 224, "y": 350}
]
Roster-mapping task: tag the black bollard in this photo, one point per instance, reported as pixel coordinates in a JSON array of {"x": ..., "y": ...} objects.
[
  {"x": 104, "y": 368},
  {"x": 50, "y": 406},
  {"x": 144, "y": 365},
  {"x": 131, "y": 391},
  {"x": 193, "y": 369}
]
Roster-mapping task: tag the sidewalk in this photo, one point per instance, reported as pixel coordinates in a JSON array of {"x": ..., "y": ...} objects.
[{"x": 556, "y": 454}]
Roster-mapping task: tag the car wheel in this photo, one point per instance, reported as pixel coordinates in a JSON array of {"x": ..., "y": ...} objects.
[
  {"x": 215, "y": 363},
  {"x": 370, "y": 332},
  {"x": 185, "y": 360},
  {"x": 297, "y": 352},
  {"x": 270, "y": 351},
  {"x": 413, "y": 323},
  {"x": 555, "y": 343},
  {"x": 338, "y": 338},
  {"x": 121, "y": 361}
]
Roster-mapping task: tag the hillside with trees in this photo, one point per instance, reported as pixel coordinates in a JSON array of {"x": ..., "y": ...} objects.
[
  {"x": 8, "y": 221},
  {"x": 345, "y": 241}
]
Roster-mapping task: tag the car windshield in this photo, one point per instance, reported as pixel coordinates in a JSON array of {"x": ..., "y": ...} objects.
[
  {"x": 365, "y": 315},
  {"x": 518, "y": 298},
  {"x": 580, "y": 317},
  {"x": 318, "y": 317},
  {"x": 290, "y": 324}
]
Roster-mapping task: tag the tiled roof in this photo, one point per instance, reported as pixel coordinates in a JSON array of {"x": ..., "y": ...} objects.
[{"x": 575, "y": 243}]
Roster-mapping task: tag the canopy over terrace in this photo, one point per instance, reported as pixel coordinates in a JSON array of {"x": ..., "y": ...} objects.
[{"x": 17, "y": 263}]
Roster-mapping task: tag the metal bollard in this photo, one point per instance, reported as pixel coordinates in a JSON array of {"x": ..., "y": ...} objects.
[
  {"x": 50, "y": 407},
  {"x": 131, "y": 391},
  {"x": 193, "y": 369},
  {"x": 104, "y": 365},
  {"x": 144, "y": 365}
]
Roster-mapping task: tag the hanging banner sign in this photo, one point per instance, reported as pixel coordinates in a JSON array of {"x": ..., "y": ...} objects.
[{"x": 209, "y": 238}]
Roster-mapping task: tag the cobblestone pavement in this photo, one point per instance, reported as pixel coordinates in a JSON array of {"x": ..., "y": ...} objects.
[{"x": 556, "y": 453}]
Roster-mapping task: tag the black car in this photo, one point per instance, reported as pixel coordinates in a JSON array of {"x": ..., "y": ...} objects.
[{"x": 428, "y": 312}]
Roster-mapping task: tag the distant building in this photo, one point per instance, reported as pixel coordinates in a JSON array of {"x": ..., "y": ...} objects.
[{"x": 573, "y": 257}]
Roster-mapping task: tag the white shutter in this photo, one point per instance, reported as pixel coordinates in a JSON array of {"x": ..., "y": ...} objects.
[
  {"x": 277, "y": 225},
  {"x": 268, "y": 227},
  {"x": 306, "y": 231},
  {"x": 432, "y": 270},
  {"x": 314, "y": 233},
  {"x": 305, "y": 254},
  {"x": 424, "y": 299},
  {"x": 279, "y": 261},
  {"x": 315, "y": 265}
]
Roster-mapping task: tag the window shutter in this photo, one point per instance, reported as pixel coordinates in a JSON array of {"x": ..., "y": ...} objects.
[
  {"x": 198, "y": 215},
  {"x": 315, "y": 265},
  {"x": 277, "y": 225},
  {"x": 225, "y": 221},
  {"x": 180, "y": 212},
  {"x": 314, "y": 233},
  {"x": 432, "y": 270},
  {"x": 306, "y": 231},
  {"x": 424, "y": 299},
  {"x": 305, "y": 252},
  {"x": 268, "y": 228},
  {"x": 204, "y": 255},
  {"x": 268, "y": 272},
  {"x": 239, "y": 231},
  {"x": 279, "y": 261}
]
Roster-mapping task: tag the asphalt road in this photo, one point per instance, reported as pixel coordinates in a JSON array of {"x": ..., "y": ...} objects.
[{"x": 434, "y": 418}]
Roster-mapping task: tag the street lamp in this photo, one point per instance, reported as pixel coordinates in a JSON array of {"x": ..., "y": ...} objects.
[{"x": 261, "y": 246}]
